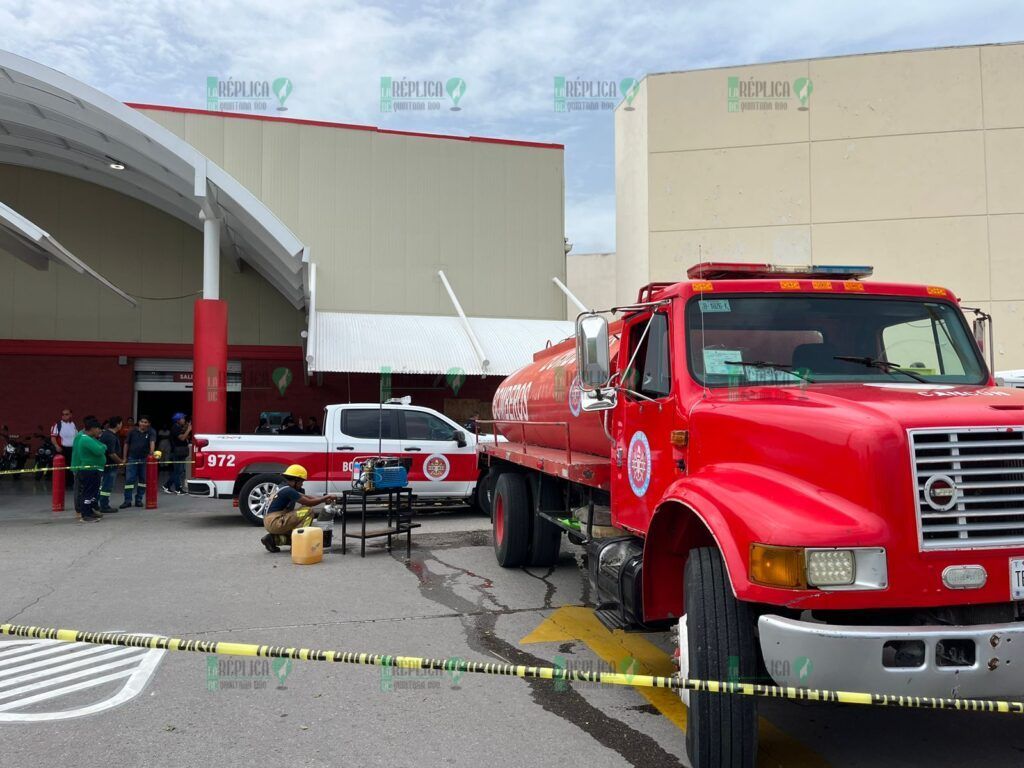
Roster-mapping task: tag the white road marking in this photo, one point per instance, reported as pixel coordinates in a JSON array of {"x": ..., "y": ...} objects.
[
  {"x": 65, "y": 678},
  {"x": 49, "y": 671},
  {"x": 72, "y": 651},
  {"x": 30, "y": 670},
  {"x": 24, "y": 645},
  {"x": 67, "y": 689}
]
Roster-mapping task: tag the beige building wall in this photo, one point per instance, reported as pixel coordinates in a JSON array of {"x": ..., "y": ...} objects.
[
  {"x": 383, "y": 212},
  {"x": 591, "y": 278},
  {"x": 142, "y": 250},
  {"x": 908, "y": 161}
]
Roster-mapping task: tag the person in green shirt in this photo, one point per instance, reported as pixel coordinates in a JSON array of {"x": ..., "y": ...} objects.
[{"x": 88, "y": 458}]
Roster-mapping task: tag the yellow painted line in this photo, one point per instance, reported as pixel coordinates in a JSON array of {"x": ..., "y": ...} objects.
[
  {"x": 579, "y": 623},
  {"x": 775, "y": 748}
]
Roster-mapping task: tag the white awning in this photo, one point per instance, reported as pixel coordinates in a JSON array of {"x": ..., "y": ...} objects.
[
  {"x": 370, "y": 343},
  {"x": 53, "y": 122},
  {"x": 35, "y": 247}
]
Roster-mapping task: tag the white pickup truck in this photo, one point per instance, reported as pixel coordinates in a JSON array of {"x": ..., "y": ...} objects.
[{"x": 440, "y": 456}]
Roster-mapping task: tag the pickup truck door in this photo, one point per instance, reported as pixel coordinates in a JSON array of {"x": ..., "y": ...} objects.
[
  {"x": 439, "y": 466},
  {"x": 354, "y": 435}
]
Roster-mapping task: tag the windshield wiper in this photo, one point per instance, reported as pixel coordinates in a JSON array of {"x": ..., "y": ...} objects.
[
  {"x": 774, "y": 366},
  {"x": 884, "y": 365}
]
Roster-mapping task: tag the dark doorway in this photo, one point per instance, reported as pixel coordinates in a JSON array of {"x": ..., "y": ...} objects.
[{"x": 160, "y": 406}]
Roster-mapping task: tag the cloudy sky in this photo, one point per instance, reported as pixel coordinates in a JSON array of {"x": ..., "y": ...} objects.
[{"x": 506, "y": 52}]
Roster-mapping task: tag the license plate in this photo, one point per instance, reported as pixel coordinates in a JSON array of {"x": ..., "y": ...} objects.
[{"x": 1017, "y": 578}]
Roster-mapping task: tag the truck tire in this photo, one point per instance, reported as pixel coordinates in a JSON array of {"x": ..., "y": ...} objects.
[
  {"x": 484, "y": 490},
  {"x": 511, "y": 520},
  {"x": 721, "y": 728},
  {"x": 253, "y": 494},
  {"x": 545, "y": 537}
]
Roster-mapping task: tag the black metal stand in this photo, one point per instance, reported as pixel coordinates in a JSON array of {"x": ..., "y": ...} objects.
[{"x": 399, "y": 511}]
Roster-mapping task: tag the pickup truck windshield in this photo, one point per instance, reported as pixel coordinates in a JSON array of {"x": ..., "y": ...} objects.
[{"x": 746, "y": 339}]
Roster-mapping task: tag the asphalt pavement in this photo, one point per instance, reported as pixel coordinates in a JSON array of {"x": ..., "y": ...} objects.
[{"x": 194, "y": 569}]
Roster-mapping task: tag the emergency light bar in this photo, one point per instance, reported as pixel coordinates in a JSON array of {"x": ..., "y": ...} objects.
[{"x": 721, "y": 270}]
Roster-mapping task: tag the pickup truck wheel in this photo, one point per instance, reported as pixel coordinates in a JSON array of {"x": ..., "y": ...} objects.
[
  {"x": 484, "y": 492},
  {"x": 255, "y": 496},
  {"x": 511, "y": 520},
  {"x": 721, "y": 728}
]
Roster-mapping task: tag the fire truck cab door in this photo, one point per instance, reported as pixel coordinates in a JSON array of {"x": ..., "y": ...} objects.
[{"x": 643, "y": 460}]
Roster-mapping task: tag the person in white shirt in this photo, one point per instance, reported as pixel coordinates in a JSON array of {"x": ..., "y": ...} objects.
[{"x": 63, "y": 434}]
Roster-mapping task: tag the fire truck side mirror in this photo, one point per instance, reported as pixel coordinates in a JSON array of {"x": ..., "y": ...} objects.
[{"x": 592, "y": 362}]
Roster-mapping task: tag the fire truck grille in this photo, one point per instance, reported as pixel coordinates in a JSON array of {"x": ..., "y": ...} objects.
[{"x": 970, "y": 486}]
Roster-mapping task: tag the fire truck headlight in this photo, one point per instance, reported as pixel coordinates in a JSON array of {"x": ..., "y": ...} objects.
[{"x": 831, "y": 567}]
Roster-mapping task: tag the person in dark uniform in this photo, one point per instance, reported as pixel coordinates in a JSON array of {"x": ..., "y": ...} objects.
[
  {"x": 112, "y": 443},
  {"x": 281, "y": 517}
]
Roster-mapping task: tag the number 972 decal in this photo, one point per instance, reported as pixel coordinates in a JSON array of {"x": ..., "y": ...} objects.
[{"x": 220, "y": 460}]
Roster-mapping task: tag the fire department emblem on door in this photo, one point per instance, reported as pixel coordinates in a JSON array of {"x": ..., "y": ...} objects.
[
  {"x": 436, "y": 467},
  {"x": 575, "y": 396},
  {"x": 639, "y": 463}
]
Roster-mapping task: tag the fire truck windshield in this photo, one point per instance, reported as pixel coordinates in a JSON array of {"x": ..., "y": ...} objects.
[{"x": 751, "y": 339}]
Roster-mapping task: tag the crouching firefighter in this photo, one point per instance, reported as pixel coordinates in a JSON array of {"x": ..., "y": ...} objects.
[{"x": 281, "y": 517}]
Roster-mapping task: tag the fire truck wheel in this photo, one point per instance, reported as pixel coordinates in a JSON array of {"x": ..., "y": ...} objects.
[
  {"x": 254, "y": 495},
  {"x": 511, "y": 520},
  {"x": 721, "y": 729}
]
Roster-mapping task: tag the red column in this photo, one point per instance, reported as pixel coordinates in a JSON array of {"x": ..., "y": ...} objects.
[
  {"x": 210, "y": 366},
  {"x": 59, "y": 482},
  {"x": 152, "y": 479}
]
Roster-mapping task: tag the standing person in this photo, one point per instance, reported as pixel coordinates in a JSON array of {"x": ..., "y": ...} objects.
[
  {"x": 63, "y": 434},
  {"x": 181, "y": 434},
  {"x": 88, "y": 458},
  {"x": 138, "y": 447},
  {"x": 112, "y": 442},
  {"x": 312, "y": 428}
]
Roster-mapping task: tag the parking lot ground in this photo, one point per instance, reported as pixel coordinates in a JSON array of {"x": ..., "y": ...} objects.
[{"x": 194, "y": 569}]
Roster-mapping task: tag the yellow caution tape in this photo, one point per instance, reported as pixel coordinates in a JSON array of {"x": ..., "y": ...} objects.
[
  {"x": 511, "y": 670},
  {"x": 160, "y": 462}
]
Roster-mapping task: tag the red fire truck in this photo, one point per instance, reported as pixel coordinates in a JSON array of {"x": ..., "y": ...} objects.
[{"x": 812, "y": 475}]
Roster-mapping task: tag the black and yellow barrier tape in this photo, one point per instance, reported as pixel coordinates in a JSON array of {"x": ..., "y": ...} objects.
[
  {"x": 87, "y": 467},
  {"x": 511, "y": 670}
]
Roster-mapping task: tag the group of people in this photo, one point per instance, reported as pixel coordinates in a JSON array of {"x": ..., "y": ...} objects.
[{"x": 96, "y": 453}]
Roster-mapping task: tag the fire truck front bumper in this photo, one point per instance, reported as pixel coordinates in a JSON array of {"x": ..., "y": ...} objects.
[{"x": 977, "y": 662}]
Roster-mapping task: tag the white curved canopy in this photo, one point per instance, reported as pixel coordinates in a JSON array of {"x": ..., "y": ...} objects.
[{"x": 53, "y": 122}]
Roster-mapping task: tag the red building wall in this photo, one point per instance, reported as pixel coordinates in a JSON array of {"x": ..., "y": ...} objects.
[
  {"x": 38, "y": 379},
  {"x": 34, "y": 389}
]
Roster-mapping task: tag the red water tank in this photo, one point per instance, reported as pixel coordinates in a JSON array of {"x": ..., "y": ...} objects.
[{"x": 547, "y": 390}]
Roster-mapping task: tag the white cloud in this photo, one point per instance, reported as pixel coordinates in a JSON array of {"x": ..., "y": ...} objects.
[{"x": 508, "y": 53}]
